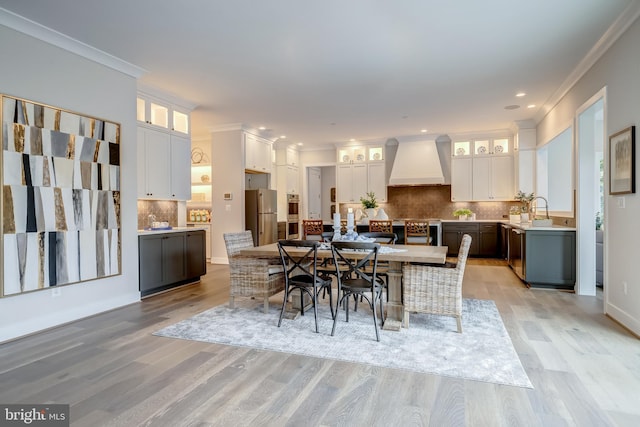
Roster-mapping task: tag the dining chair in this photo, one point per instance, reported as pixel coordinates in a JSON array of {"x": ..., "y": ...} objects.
[
  {"x": 383, "y": 266},
  {"x": 257, "y": 277},
  {"x": 312, "y": 229},
  {"x": 300, "y": 272},
  {"x": 381, "y": 225},
  {"x": 436, "y": 289},
  {"x": 357, "y": 282},
  {"x": 416, "y": 232}
]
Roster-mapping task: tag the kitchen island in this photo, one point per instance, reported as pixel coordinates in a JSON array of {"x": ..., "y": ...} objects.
[
  {"x": 542, "y": 257},
  {"x": 170, "y": 257}
]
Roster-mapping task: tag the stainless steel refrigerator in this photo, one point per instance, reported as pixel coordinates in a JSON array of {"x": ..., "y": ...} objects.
[{"x": 260, "y": 215}]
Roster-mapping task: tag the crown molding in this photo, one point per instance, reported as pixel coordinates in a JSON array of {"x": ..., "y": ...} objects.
[
  {"x": 55, "y": 38},
  {"x": 165, "y": 96},
  {"x": 613, "y": 33}
]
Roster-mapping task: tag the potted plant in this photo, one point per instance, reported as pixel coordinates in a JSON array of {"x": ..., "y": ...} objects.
[
  {"x": 525, "y": 201},
  {"x": 369, "y": 204},
  {"x": 462, "y": 213}
]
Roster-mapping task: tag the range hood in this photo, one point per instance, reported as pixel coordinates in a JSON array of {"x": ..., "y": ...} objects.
[{"x": 416, "y": 163}]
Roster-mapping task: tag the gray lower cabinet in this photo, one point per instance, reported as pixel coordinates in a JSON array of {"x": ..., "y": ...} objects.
[
  {"x": 452, "y": 233},
  {"x": 170, "y": 259},
  {"x": 550, "y": 259}
]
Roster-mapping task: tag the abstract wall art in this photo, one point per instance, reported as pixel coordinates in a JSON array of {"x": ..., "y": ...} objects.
[{"x": 60, "y": 202}]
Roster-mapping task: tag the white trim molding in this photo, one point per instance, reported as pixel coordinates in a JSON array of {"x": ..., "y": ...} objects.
[{"x": 58, "y": 39}]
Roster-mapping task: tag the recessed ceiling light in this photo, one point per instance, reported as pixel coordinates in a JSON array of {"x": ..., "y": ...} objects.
[
  {"x": 423, "y": 130},
  {"x": 531, "y": 106},
  {"x": 283, "y": 136},
  {"x": 520, "y": 94},
  {"x": 511, "y": 107},
  {"x": 262, "y": 128},
  {"x": 352, "y": 140},
  {"x": 300, "y": 144}
]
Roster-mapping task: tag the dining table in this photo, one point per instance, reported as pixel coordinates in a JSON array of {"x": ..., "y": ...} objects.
[{"x": 395, "y": 255}]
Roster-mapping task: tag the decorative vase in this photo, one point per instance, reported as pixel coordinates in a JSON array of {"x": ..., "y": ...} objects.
[
  {"x": 514, "y": 218},
  {"x": 462, "y": 217},
  {"x": 524, "y": 217},
  {"x": 382, "y": 214},
  {"x": 370, "y": 212}
]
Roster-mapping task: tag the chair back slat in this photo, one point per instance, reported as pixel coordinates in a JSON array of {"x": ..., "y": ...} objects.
[
  {"x": 381, "y": 225},
  {"x": 416, "y": 232},
  {"x": 343, "y": 254},
  {"x": 312, "y": 229}
]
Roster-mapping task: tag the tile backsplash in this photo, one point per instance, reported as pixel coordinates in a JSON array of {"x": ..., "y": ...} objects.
[
  {"x": 433, "y": 202},
  {"x": 164, "y": 210}
]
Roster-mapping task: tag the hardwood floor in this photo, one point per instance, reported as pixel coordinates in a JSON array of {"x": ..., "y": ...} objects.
[{"x": 584, "y": 367}]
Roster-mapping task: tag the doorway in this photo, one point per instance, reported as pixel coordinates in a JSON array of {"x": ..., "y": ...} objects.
[
  {"x": 590, "y": 207},
  {"x": 314, "y": 180}
]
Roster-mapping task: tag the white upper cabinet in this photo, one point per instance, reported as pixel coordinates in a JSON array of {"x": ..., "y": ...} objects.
[
  {"x": 361, "y": 169},
  {"x": 482, "y": 170},
  {"x": 164, "y": 149},
  {"x": 155, "y": 112},
  {"x": 257, "y": 153}
]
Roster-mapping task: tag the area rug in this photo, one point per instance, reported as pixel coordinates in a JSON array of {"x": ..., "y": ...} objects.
[{"x": 483, "y": 352}]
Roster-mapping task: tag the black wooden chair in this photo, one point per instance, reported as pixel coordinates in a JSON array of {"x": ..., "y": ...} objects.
[
  {"x": 358, "y": 282},
  {"x": 300, "y": 261}
]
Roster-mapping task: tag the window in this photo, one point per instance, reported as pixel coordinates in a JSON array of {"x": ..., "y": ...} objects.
[{"x": 554, "y": 174}]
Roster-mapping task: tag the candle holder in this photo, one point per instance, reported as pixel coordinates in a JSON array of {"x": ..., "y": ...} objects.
[{"x": 336, "y": 233}]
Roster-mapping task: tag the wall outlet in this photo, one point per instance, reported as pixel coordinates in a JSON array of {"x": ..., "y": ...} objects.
[
  {"x": 624, "y": 287},
  {"x": 56, "y": 292}
]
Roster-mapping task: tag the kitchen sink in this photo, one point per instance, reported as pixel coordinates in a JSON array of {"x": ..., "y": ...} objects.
[{"x": 546, "y": 222}]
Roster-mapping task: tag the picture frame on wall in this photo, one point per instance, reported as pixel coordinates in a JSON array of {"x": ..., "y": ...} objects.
[
  {"x": 622, "y": 168},
  {"x": 60, "y": 211}
]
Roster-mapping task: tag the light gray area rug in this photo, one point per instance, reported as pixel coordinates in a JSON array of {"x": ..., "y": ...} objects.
[{"x": 483, "y": 352}]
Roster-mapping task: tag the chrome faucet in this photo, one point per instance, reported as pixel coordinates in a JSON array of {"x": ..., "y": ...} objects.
[{"x": 546, "y": 206}]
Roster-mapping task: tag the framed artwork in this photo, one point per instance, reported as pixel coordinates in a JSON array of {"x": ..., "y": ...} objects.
[
  {"x": 622, "y": 167},
  {"x": 60, "y": 197}
]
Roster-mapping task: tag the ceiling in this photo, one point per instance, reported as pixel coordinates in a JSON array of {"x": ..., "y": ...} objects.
[{"x": 331, "y": 71}]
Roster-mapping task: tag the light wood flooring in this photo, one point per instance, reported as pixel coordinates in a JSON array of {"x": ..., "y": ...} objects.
[{"x": 584, "y": 367}]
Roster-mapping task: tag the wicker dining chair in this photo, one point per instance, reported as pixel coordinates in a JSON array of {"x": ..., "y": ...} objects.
[
  {"x": 258, "y": 277},
  {"x": 434, "y": 289},
  {"x": 381, "y": 225}
]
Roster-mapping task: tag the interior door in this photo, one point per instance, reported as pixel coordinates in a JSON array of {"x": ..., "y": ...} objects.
[{"x": 314, "y": 193}]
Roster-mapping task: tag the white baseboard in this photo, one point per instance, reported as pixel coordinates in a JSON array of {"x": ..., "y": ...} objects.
[{"x": 622, "y": 317}]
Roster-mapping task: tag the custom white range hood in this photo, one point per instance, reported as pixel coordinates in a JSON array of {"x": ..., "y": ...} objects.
[{"x": 416, "y": 163}]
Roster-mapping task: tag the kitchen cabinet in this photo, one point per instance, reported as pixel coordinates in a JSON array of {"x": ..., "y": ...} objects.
[
  {"x": 351, "y": 182},
  {"x": 163, "y": 165},
  {"x": 482, "y": 170},
  {"x": 207, "y": 237},
  {"x": 288, "y": 156},
  {"x": 488, "y": 240},
  {"x": 361, "y": 169},
  {"x": 161, "y": 114},
  {"x": 170, "y": 259},
  {"x": 257, "y": 153},
  {"x": 493, "y": 178},
  {"x": 461, "y": 179},
  {"x": 377, "y": 181},
  {"x": 452, "y": 233},
  {"x": 505, "y": 229},
  {"x": 196, "y": 257},
  {"x": 288, "y": 181}
]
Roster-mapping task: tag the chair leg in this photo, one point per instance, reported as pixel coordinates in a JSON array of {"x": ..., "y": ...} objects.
[
  {"x": 375, "y": 319},
  {"x": 231, "y": 302},
  {"x": 315, "y": 307},
  {"x": 284, "y": 305},
  {"x": 459, "y": 321},
  {"x": 266, "y": 305},
  {"x": 405, "y": 321}
]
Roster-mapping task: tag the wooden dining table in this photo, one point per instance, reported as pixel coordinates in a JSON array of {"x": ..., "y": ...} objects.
[{"x": 401, "y": 254}]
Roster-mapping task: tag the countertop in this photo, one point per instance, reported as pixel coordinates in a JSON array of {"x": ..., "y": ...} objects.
[
  {"x": 173, "y": 230},
  {"x": 438, "y": 222}
]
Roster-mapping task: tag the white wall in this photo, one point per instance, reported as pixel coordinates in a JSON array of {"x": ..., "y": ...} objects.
[
  {"x": 619, "y": 71},
  {"x": 227, "y": 176},
  {"x": 41, "y": 72}
]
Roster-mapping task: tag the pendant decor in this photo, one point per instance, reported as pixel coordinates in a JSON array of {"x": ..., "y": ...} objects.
[{"x": 60, "y": 197}]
